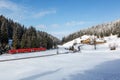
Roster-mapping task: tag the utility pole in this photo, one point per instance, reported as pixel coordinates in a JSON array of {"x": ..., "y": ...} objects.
[
  {"x": 94, "y": 42},
  {"x": 57, "y": 50}
]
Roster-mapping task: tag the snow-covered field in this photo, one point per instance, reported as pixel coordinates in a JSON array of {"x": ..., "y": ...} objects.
[{"x": 89, "y": 64}]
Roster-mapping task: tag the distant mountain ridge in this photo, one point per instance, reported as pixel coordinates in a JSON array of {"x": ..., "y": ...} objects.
[{"x": 100, "y": 30}]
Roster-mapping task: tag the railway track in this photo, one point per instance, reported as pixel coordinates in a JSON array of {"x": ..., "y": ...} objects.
[{"x": 31, "y": 57}]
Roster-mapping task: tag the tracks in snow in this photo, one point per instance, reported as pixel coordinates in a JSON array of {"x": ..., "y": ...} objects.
[{"x": 31, "y": 57}]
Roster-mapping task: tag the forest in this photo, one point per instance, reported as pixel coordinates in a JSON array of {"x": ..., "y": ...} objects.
[
  {"x": 100, "y": 31},
  {"x": 23, "y": 37}
]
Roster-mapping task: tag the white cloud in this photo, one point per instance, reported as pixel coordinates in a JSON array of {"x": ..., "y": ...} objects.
[
  {"x": 74, "y": 23},
  {"x": 6, "y": 4},
  {"x": 44, "y": 13},
  {"x": 71, "y": 23},
  {"x": 20, "y": 12},
  {"x": 58, "y": 29},
  {"x": 60, "y": 34},
  {"x": 12, "y": 10},
  {"x": 41, "y": 26},
  {"x": 55, "y": 25}
]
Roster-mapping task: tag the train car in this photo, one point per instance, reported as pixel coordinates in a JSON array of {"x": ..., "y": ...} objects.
[{"x": 27, "y": 50}]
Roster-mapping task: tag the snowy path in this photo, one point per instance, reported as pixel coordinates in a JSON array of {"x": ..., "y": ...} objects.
[
  {"x": 19, "y": 56},
  {"x": 91, "y": 65}
]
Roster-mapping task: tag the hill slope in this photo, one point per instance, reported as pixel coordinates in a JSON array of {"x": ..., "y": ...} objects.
[{"x": 98, "y": 30}]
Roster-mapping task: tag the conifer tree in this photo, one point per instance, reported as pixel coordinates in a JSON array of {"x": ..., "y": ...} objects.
[
  {"x": 23, "y": 41},
  {"x": 16, "y": 42},
  {"x": 49, "y": 43},
  {"x": 4, "y": 33}
]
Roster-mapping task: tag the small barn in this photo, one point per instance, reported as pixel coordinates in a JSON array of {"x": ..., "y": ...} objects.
[
  {"x": 86, "y": 41},
  {"x": 92, "y": 41}
]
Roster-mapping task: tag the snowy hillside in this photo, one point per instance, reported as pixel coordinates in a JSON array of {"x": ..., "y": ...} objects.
[
  {"x": 100, "y": 30},
  {"x": 109, "y": 40}
]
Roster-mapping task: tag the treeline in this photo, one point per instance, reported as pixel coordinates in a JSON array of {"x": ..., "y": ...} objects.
[
  {"x": 98, "y": 30},
  {"x": 23, "y": 37}
]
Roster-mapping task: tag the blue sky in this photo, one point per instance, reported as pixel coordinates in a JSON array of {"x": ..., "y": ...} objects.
[{"x": 61, "y": 17}]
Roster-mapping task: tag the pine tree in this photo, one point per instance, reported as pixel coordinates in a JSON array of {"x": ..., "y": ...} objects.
[
  {"x": 16, "y": 42},
  {"x": 44, "y": 42},
  {"x": 49, "y": 43},
  {"x": 4, "y": 33},
  {"x": 23, "y": 41},
  {"x": 0, "y": 34}
]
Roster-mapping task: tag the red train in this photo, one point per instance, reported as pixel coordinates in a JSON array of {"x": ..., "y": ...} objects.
[{"x": 13, "y": 51}]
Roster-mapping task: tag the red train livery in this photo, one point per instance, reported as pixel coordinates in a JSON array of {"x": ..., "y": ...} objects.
[{"x": 13, "y": 51}]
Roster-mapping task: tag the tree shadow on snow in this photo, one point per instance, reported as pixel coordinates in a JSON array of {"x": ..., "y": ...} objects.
[
  {"x": 33, "y": 77},
  {"x": 106, "y": 71}
]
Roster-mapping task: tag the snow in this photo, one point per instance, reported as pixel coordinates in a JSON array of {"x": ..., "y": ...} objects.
[
  {"x": 72, "y": 66},
  {"x": 89, "y": 64},
  {"x": 77, "y": 40}
]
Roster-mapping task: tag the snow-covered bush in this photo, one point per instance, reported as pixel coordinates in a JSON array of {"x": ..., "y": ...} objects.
[{"x": 112, "y": 46}]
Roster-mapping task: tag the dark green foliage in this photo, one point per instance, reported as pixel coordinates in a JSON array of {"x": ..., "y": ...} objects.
[
  {"x": 24, "y": 41},
  {"x": 16, "y": 41},
  {"x": 31, "y": 37},
  {"x": 4, "y": 33},
  {"x": 49, "y": 43}
]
